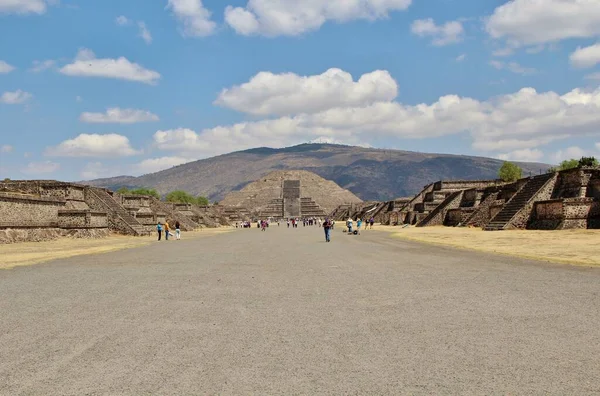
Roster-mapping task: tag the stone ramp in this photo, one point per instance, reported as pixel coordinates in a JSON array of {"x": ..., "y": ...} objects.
[
  {"x": 119, "y": 219},
  {"x": 521, "y": 202}
]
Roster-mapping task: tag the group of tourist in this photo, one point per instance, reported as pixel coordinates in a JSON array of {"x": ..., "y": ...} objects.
[{"x": 167, "y": 229}]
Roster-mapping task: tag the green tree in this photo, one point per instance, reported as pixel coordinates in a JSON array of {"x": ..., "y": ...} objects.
[
  {"x": 202, "y": 201},
  {"x": 510, "y": 172},
  {"x": 588, "y": 161},
  {"x": 568, "y": 164},
  {"x": 123, "y": 190},
  {"x": 180, "y": 196},
  {"x": 145, "y": 191}
]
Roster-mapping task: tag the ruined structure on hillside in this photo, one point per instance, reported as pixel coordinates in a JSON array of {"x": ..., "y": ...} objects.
[
  {"x": 287, "y": 194},
  {"x": 34, "y": 210}
]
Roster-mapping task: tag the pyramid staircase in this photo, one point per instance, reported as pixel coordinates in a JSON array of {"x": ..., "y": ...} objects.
[
  {"x": 118, "y": 213},
  {"x": 309, "y": 208},
  {"x": 518, "y": 202},
  {"x": 452, "y": 201}
]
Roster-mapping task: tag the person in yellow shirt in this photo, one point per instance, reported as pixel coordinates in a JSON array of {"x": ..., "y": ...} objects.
[{"x": 167, "y": 228}]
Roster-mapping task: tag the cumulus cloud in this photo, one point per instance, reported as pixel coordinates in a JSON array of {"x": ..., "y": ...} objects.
[
  {"x": 531, "y": 22},
  {"x": 586, "y": 57},
  {"x": 572, "y": 152},
  {"x": 525, "y": 155},
  {"x": 93, "y": 145},
  {"x": 23, "y": 6},
  {"x": 448, "y": 33},
  {"x": 152, "y": 165},
  {"x": 16, "y": 97},
  {"x": 37, "y": 168},
  {"x": 119, "y": 116},
  {"x": 5, "y": 67},
  {"x": 144, "y": 33},
  {"x": 87, "y": 65},
  {"x": 526, "y": 119},
  {"x": 40, "y": 66},
  {"x": 6, "y": 149},
  {"x": 291, "y": 17},
  {"x": 283, "y": 94},
  {"x": 193, "y": 16},
  {"x": 513, "y": 67}
]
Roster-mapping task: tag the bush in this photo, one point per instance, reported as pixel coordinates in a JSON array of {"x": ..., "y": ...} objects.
[
  {"x": 588, "y": 161},
  {"x": 510, "y": 172}
]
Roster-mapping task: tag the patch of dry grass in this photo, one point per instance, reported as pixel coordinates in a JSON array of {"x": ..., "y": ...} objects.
[
  {"x": 577, "y": 247},
  {"x": 29, "y": 253}
]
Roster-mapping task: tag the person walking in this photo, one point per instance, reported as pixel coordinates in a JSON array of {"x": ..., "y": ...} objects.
[
  {"x": 177, "y": 230},
  {"x": 159, "y": 230},
  {"x": 371, "y": 221},
  {"x": 327, "y": 229},
  {"x": 358, "y": 224},
  {"x": 167, "y": 230}
]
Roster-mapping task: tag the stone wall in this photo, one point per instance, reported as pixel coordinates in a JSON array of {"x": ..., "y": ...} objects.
[
  {"x": 566, "y": 213},
  {"x": 465, "y": 184},
  {"x": 291, "y": 198},
  {"x": 17, "y": 211},
  {"x": 70, "y": 218}
]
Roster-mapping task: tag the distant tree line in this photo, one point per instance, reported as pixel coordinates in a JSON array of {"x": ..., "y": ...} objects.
[
  {"x": 511, "y": 172},
  {"x": 178, "y": 196}
]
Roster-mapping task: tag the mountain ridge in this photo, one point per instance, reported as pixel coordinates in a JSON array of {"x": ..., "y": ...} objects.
[{"x": 370, "y": 173}]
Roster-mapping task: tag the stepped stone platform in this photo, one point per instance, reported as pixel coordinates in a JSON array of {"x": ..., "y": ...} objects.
[{"x": 286, "y": 194}]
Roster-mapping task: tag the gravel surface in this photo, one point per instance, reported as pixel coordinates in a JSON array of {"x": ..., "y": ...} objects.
[{"x": 283, "y": 312}]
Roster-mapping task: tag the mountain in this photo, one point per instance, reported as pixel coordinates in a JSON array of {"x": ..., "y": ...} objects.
[{"x": 371, "y": 174}]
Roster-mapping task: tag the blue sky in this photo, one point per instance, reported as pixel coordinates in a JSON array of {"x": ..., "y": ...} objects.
[{"x": 103, "y": 88}]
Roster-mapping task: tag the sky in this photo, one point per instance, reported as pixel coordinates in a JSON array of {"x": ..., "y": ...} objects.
[{"x": 92, "y": 89}]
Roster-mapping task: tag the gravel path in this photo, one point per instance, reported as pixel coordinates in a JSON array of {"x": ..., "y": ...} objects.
[{"x": 283, "y": 312}]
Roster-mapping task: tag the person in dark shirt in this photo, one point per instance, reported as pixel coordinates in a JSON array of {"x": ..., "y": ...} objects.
[
  {"x": 177, "y": 230},
  {"x": 327, "y": 228}
]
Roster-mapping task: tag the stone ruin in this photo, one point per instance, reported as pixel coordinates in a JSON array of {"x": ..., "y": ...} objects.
[
  {"x": 289, "y": 194},
  {"x": 560, "y": 200},
  {"x": 35, "y": 210}
]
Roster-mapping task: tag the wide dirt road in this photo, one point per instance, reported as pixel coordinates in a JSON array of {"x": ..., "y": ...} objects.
[{"x": 283, "y": 312}]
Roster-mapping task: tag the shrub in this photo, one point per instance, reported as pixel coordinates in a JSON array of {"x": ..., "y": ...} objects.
[{"x": 510, "y": 172}]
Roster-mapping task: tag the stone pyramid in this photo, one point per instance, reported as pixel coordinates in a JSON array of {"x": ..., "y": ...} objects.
[{"x": 266, "y": 193}]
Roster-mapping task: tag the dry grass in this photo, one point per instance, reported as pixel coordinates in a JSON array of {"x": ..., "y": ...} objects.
[
  {"x": 29, "y": 253},
  {"x": 577, "y": 247}
]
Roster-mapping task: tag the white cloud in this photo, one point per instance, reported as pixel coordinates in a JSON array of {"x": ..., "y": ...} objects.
[
  {"x": 448, "y": 33},
  {"x": 144, "y": 33},
  {"x": 5, "y": 67},
  {"x": 586, "y": 57},
  {"x": 530, "y": 22},
  {"x": 283, "y": 94},
  {"x": 461, "y": 57},
  {"x": 194, "y": 17},
  {"x": 572, "y": 152},
  {"x": 23, "y": 6},
  {"x": 152, "y": 165},
  {"x": 526, "y": 119},
  {"x": 40, "y": 66},
  {"x": 507, "y": 51},
  {"x": 593, "y": 76},
  {"x": 94, "y": 145},
  {"x": 525, "y": 155},
  {"x": 6, "y": 149},
  {"x": 122, "y": 20},
  {"x": 36, "y": 168},
  {"x": 292, "y": 17},
  {"x": 119, "y": 116},
  {"x": 87, "y": 65},
  {"x": 513, "y": 67},
  {"x": 16, "y": 97}
]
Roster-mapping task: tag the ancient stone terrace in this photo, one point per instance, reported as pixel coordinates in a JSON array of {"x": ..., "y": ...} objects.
[{"x": 46, "y": 209}]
